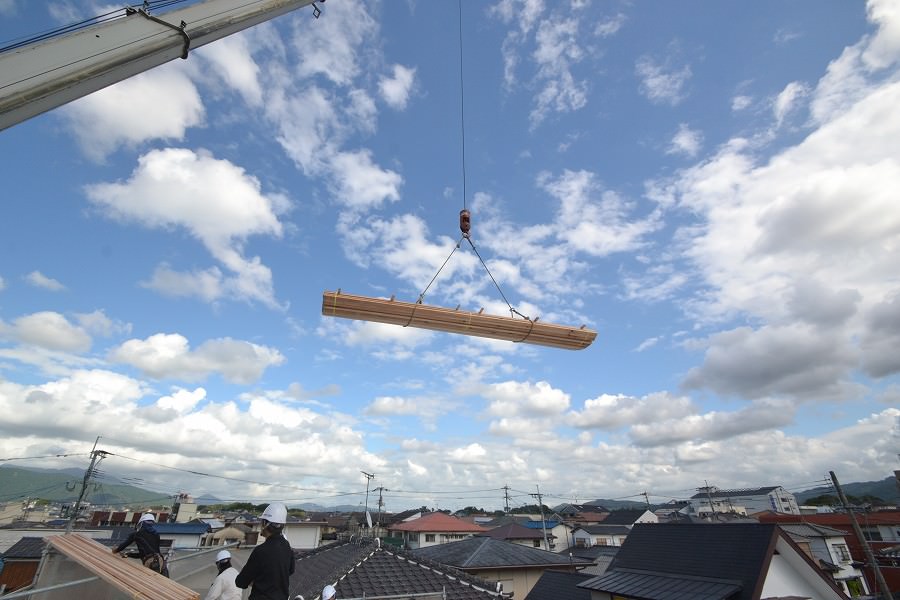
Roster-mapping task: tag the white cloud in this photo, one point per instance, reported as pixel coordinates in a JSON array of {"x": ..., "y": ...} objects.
[
  {"x": 396, "y": 89},
  {"x": 686, "y": 141},
  {"x": 231, "y": 59},
  {"x": 473, "y": 453},
  {"x": 38, "y": 279},
  {"x": 741, "y": 102},
  {"x": 127, "y": 113},
  {"x": 48, "y": 330},
  {"x": 610, "y": 25},
  {"x": 215, "y": 200},
  {"x": 181, "y": 400},
  {"x": 392, "y": 405},
  {"x": 647, "y": 344},
  {"x": 99, "y": 324},
  {"x": 662, "y": 83},
  {"x": 558, "y": 48},
  {"x": 513, "y": 398},
  {"x": 169, "y": 356},
  {"x": 787, "y": 99},
  {"x": 208, "y": 285},
  {"x": 337, "y": 40},
  {"x": 608, "y": 411},
  {"x": 360, "y": 184}
]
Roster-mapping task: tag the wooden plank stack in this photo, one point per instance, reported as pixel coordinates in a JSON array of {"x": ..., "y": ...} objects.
[
  {"x": 380, "y": 310},
  {"x": 125, "y": 575}
]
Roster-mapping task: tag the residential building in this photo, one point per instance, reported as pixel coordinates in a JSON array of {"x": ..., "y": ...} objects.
[
  {"x": 711, "y": 561},
  {"x": 556, "y": 585},
  {"x": 20, "y": 564},
  {"x": 558, "y": 532},
  {"x": 432, "y": 529},
  {"x": 828, "y": 547},
  {"x": 517, "y": 568},
  {"x": 742, "y": 501},
  {"x": 600, "y": 556},
  {"x": 881, "y": 530},
  {"x": 629, "y": 517},
  {"x": 517, "y": 534},
  {"x": 600, "y": 535}
]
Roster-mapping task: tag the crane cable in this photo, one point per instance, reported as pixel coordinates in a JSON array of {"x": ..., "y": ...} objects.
[{"x": 465, "y": 217}]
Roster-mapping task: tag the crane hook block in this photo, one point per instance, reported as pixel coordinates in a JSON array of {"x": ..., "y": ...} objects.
[{"x": 465, "y": 221}]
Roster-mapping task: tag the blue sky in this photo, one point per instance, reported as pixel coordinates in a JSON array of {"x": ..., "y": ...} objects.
[{"x": 711, "y": 188}]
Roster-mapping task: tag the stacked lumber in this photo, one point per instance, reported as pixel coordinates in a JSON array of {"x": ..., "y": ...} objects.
[
  {"x": 380, "y": 310},
  {"x": 125, "y": 575}
]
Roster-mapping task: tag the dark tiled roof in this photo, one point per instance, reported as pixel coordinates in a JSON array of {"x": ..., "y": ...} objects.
[
  {"x": 590, "y": 553},
  {"x": 558, "y": 585},
  {"x": 514, "y": 531},
  {"x": 27, "y": 547},
  {"x": 487, "y": 553},
  {"x": 641, "y": 584},
  {"x": 604, "y": 529},
  {"x": 365, "y": 570},
  {"x": 731, "y": 551},
  {"x": 623, "y": 517}
]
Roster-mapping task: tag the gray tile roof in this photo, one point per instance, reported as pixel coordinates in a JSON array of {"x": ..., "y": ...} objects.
[
  {"x": 605, "y": 529},
  {"x": 487, "y": 553},
  {"x": 736, "y": 552},
  {"x": 367, "y": 569},
  {"x": 25, "y": 548},
  {"x": 641, "y": 584},
  {"x": 623, "y": 517},
  {"x": 514, "y": 531},
  {"x": 558, "y": 585}
]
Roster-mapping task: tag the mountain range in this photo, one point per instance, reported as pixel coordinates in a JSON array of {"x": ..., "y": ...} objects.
[{"x": 18, "y": 484}]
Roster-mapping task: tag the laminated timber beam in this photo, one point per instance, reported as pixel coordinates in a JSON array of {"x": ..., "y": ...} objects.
[{"x": 410, "y": 314}]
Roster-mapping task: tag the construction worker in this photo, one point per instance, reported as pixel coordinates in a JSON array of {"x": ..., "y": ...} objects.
[
  {"x": 223, "y": 587},
  {"x": 328, "y": 592},
  {"x": 271, "y": 564},
  {"x": 146, "y": 538}
]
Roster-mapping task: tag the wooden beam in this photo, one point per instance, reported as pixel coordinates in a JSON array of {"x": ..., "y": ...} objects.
[{"x": 409, "y": 314}]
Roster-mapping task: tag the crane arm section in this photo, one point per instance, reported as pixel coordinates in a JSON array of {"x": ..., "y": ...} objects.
[{"x": 47, "y": 74}]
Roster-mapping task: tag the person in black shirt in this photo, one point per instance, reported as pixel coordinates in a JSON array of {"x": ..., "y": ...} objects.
[
  {"x": 271, "y": 564},
  {"x": 146, "y": 538}
]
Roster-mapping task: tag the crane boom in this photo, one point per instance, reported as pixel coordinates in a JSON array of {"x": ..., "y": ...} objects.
[{"x": 39, "y": 77}]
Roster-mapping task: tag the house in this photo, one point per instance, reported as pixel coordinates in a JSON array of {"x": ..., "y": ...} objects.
[
  {"x": 828, "y": 547},
  {"x": 367, "y": 569},
  {"x": 600, "y": 535},
  {"x": 20, "y": 563},
  {"x": 711, "y": 561},
  {"x": 432, "y": 529},
  {"x": 556, "y": 585},
  {"x": 742, "y": 501},
  {"x": 514, "y": 566},
  {"x": 581, "y": 514},
  {"x": 629, "y": 517},
  {"x": 233, "y": 534},
  {"x": 121, "y": 518},
  {"x": 518, "y": 534},
  {"x": 558, "y": 532},
  {"x": 881, "y": 530}
]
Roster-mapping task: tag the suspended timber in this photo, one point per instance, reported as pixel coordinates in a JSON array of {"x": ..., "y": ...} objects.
[
  {"x": 129, "y": 577},
  {"x": 410, "y": 314}
]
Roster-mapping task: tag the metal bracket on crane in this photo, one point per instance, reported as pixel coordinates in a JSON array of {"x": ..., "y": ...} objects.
[{"x": 187, "y": 39}]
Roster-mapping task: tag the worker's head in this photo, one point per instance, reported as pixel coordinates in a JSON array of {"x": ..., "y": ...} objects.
[
  {"x": 146, "y": 519},
  {"x": 223, "y": 560},
  {"x": 328, "y": 592},
  {"x": 273, "y": 519}
]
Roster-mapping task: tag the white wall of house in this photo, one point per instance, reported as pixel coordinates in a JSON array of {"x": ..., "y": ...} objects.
[
  {"x": 584, "y": 539},
  {"x": 302, "y": 536},
  {"x": 181, "y": 540},
  {"x": 790, "y": 575},
  {"x": 840, "y": 554},
  {"x": 424, "y": 539}
]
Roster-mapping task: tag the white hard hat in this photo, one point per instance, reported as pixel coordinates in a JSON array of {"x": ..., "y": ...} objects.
[
  {"x": 223, "y": 555},
  {"x": 275, "y": 513},
  {"x": 147, "y": 517},
  {"x": 328, "y": 592}
]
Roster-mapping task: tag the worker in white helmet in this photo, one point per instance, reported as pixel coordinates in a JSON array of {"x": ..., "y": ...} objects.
[
  {"x": 328, "y": 592},
  {"x": 271, "y": 564},
  {"x": 223, "y": 587},
  {"x": 146, "y": 538}
]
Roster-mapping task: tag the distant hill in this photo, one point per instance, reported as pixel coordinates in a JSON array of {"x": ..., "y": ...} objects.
[
  {"x": 17, "y": 484},
  {"x": 886, "y": 489}
]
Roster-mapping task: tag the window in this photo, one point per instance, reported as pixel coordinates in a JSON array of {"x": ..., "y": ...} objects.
[
  {"x": 842, "y": 552},
  {"x": 429, "y": 537},
  {"x": 536, "y": 543},
  {"x": 872, "y": 534}
]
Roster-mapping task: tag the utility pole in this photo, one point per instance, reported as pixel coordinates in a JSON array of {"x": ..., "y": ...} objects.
[
  {"x": 506, "y": 499},
  {"x": 84, "y": 483},
  {"x": 885, "y": 591},
  {"x": 380, "y": 503},
  {"x": 369, "y": 477},
  {"x": 647, "y": 498},
  {"x": 543, "y": 520},
  {"x": 712, "y": 507}
]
